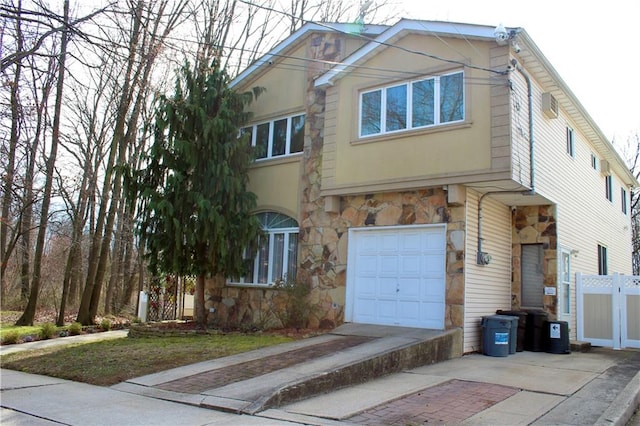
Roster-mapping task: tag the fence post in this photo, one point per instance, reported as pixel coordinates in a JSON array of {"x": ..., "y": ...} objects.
[
  {"x": 579, "y": 307},
  {"x": 616, "y": 295}
]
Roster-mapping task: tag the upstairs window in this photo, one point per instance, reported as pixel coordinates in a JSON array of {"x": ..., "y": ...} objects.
[
  {"x": 594, "y": 161},
  {"x": 570, "y": 142},
  {"x": 277, "y": 138},
  {"x": 623, "y": 200},
  {"x": 412, "y": 105},
  {"x": 276, "y": 255},
  {"x": 608, "y": 187}
]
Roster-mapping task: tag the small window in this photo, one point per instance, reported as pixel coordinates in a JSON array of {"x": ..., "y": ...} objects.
[
  {"x": 608, "y": 187},
  {"x": 570, "y": 142},
  {"x": 565, "y": 304},
  {"x": 623, "y": 200},
  {"x": 602, "y": 260},
  {"x": 594, "y": 161}
]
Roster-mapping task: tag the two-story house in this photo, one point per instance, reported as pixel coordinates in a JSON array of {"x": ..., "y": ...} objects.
[{"x": 425, "y": 174}]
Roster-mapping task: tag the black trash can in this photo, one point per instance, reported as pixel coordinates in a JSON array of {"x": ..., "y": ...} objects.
[
  {"x": 557, "y": 337},
  {"x": 495, "y": 335},
  {"x": 534, "y": 331},
  {"x": 522, "y": 326}
]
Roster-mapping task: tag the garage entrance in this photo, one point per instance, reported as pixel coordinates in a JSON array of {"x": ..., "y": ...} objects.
[{"x": 396, "y": 276}]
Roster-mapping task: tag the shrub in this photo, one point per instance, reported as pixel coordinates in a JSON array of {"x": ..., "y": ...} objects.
[
  {"x": 10, "y": 338},
  {"x": 75, "y": 329},
  {"x": 105, "y": 324},
  {"x": 296, "y": 309},
  {"x": 48, "y": 330}
]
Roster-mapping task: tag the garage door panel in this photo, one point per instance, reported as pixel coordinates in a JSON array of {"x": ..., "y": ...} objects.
[
  {"x": 410, "y": 265},
  {"x": 388, "y": 243},
  {"x": 409, "y": 288},
  {"x": 388, "y": 265},
  {"x": 367, "y": 309},
  {"x": 386, "y": 311},
  {"x": 367, "y": 266},
  {"x": 387, "y": 288},
  {"x": 432, "y": 290},
  {"x": 409, "y": 312}
]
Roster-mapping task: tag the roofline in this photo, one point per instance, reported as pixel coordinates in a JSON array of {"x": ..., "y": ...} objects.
[
  {"x": 405, "y": 25},
  {"x": 294, "y": 38},
  {"x": 606, "y": 145}
]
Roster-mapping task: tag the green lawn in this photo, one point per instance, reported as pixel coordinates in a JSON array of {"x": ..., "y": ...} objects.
[{"x": 113, "y": 361}]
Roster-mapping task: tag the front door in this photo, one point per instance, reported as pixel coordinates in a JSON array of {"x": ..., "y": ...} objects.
[{"x": 532, "y": 276}]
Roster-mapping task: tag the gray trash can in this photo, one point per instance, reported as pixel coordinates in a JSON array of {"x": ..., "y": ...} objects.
[
  {"x": 496, "y": 330},
  {"x": 513, "y": 332}
]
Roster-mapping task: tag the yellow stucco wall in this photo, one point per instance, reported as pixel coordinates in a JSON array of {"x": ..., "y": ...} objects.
[
  {"x": 448, "y": 150},
  {"x": 285, "y": 86},
  {"x": 277, "y": 185}
]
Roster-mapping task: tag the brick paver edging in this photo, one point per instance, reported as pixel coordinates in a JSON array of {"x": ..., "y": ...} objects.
[{"x": 212, "y": 379}]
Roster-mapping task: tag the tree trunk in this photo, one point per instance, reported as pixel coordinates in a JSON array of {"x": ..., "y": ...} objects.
[
  {"x": 30, "y": 311},
  {"x": 88, "y": 304},
  {"x": 201, "y": 315},
  {"x": 8, "y": 177}
]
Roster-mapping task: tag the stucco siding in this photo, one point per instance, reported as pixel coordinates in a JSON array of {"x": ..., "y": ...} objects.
[
  {"x": 418, "y": 157},
  {"x": 487, "y": 288},
  {"x": 277, "y": 185}
]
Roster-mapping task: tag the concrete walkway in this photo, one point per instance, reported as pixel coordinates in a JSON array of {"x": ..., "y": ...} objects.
[{"x": 598, "y": 387}]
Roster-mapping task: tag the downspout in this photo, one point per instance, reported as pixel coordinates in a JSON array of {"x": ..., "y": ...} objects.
[{"x": 481, "y": 257}]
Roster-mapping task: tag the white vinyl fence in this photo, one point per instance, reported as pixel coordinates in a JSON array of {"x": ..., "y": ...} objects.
[{"x": 608, "y": 310}]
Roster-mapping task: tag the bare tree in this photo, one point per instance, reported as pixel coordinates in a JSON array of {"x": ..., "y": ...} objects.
[{"x": 30, "y": 311}]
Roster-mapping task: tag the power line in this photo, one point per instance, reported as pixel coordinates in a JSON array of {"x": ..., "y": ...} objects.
[{"x": 382, "y": 43}]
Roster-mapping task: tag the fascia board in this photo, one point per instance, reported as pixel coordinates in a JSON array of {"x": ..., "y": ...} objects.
[
  {"x": 457, "y": 30},
  {"x": 294, "y": 38}
]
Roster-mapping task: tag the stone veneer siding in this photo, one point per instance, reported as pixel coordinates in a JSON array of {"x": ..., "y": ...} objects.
[{"x": 535, "y": 225}]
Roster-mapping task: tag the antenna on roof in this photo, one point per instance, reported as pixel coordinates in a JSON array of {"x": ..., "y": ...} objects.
[{"x": 363, "y": 10}]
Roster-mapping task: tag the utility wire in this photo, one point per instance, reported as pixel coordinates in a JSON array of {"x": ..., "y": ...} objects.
[{"x": 382, "y": 43}]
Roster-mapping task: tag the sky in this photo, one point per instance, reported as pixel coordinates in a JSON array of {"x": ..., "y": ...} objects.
[{"x": 593, "y": 45}]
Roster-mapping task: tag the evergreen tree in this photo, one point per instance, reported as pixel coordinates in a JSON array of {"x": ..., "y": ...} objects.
[{"x": 195, "y": 207}]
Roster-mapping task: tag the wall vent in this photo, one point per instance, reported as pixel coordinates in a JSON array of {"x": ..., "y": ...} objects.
[
  {"x": 549, "y": 105},
  {"x": 605, "y": 167}
]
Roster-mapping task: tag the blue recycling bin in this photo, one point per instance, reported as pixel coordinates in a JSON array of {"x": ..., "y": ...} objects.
[{"x": 496, "y": 330}]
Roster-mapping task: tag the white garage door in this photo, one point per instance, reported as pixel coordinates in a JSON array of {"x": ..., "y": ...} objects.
[{"x": 396, "y": 276}]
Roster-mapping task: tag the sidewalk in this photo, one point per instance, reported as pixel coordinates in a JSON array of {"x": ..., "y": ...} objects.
[{"x": 597, "y": 387}]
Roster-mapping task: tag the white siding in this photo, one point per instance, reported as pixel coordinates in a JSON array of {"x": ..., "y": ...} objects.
[
  {"x": 487, "y": 288},
  {"x": 585, "y": 218}
]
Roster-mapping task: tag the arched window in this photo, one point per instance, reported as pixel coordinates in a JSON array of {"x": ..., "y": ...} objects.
[{"x": 276, "y": 256}]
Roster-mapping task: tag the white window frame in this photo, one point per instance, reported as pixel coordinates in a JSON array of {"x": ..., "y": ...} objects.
[
  {"x": 409, "y": 105},
  {"x": 608, "y": 187},
  {"x": 571, "y": 144},
  {"x": 623, "y": 200},
  {"x": 270, "y": 233},
  {"x": 564, "y": 296},
  {"x": 271, "y": 123}
]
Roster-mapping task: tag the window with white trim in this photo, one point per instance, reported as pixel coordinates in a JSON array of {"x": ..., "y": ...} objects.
[
  {"x": 594, "y": 161},
  {"x": 277, "y": 138},
  {"x": 565, "y": 303},
  {"x": 608, "y": 187},
  {"x": 570, "y": 142},
  {"x": 416, "y": 104},
  {"x": 276, "y": 255},
  {"x": 623, "y": 200}
]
